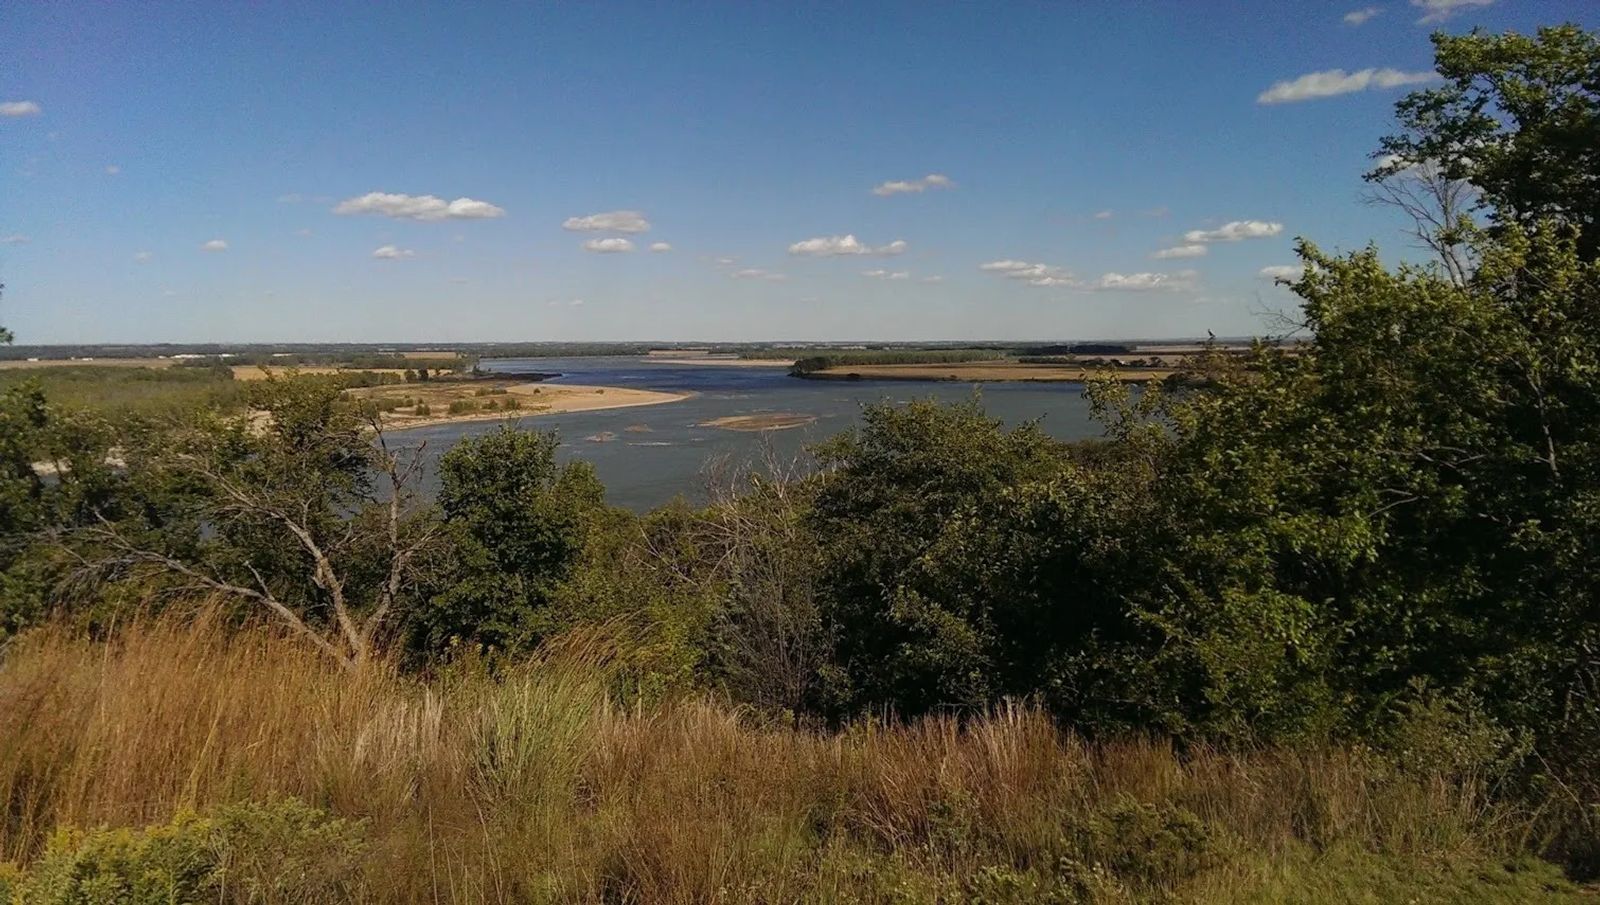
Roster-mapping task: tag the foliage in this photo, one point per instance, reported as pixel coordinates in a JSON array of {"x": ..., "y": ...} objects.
[
  {"x": 1518, "y": 118},
  {"x": 282, "y": 851},
  {"x": 891, "y": 490},
  {"x": 517, "y": 522}
]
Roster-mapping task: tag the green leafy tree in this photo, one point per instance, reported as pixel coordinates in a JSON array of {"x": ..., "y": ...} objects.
[
  {"x": 518, "y": 523},
  {"x": 890, "y": 491},
  {"x": 1519, "y": 119}
]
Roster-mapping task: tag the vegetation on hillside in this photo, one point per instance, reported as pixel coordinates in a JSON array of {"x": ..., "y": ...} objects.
[{"x": 1313, "y": 622}]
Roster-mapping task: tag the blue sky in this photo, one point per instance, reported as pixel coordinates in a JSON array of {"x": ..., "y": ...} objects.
[{"x": 416, "y": 173}]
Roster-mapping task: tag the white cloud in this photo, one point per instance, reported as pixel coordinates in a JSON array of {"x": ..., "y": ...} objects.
[
  {"x": 1181, "y": 251},
  {"x": 756, "y": 273},
  {"x": 726, "y": 262},
  {"x": 913, "y": 186},
  {"x": 418, "y": 207},
  {"x": 1104, "y": 215},
  {"x": 609, "y": 246},
  {"x": 1440, "y": 10},
  {"x": 304, "y": 231},
  {"x": 608, "y": 222},
  {"x": 1282, "y": 272},
  {"x": 112, "y": 169},
  {"x": 887, "y": 274},
  {"x": 1235, "y": 231},
  {"x": 392, "y": 253},
  {"x": 214, "y": 245},
  {"x": 1359, "y": 16},
  {"x": 1143, "y": 282},
  {"x": 1333, "y": 82},
  {"x": 575, "y": 303},
  {"x": 20, "y": 108},
  {"x": 830, "y": 246},
  {"x": 933, "y": 279},
  {"x": 1033, "y": 274},
  {"x": 15, "y": 239},
  {"x": 142, "y": 256},
  {"x": 660, "y": 246}
]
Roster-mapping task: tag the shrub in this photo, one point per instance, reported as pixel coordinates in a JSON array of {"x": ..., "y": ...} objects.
[
  {"x": 423, "y": 409},
  {"x": 283, "y": 851}
]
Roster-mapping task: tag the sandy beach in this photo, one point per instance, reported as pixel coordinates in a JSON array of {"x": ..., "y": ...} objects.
[{"x": 528, "y": 399}]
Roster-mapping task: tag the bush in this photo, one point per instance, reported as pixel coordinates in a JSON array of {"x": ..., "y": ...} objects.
[
  {"x": 423, "y": 409},
  {"x": 283, "y": 851}
]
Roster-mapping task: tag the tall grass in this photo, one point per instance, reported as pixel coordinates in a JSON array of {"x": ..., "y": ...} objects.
[{"x": 533, "y": 785}]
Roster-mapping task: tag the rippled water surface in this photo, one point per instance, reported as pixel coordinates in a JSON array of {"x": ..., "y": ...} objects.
[{"x": 648, "y": 454}]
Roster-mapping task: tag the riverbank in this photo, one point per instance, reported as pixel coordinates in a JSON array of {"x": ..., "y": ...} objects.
[{"x": 997, "y": 371}]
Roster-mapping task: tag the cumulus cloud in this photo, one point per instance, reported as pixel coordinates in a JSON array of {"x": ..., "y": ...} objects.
[
  {"x": 932, "y": 279},
  {"x": 1193, "y": 250},
  {"x": 20, "y": 108},
  {"x": 392, "y": 253},
  {"x": 214, "y": 245},
  {"x": 1235, "y": 231},
  {"x": 112, "y": 169},
  {"x": 887, "y": 274},
  {"x": 418, "y": 207},
  {"x": 831, "y": 246},
  {"x": 1440, "y": 10},
  {"x": 608, "y": 222},
  {"x": 913, "y": 186},
  {"x": 757, "y": 273},
  {"x": 1333, "y": 82},
  {"x": 142, "y": 256},
  {"x": 609, "y": 246},
  {"x": 1143, "y": 282},
  {"x": 1359, "y": 16},
  {"x": 660, "y": 246},
  {"x": 1104, "y": 215},
  {"x": 1282, "y": 272},
  {"x": 1042, "y": 275},
  {"x": 15, "y": 239}
]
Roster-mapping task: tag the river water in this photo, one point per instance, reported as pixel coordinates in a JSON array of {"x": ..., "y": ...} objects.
[{"x": 647, "y": 455}]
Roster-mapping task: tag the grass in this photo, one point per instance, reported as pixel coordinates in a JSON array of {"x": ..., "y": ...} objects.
[
  {"x": 535, "y": 785},
  {"x": 114, "y": 389}
]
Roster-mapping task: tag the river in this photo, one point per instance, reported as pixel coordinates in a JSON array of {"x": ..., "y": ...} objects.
[{"x": 647, "y": 455}]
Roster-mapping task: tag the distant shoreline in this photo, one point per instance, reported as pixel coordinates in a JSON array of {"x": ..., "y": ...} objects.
[{"x": 985, "y": 372}]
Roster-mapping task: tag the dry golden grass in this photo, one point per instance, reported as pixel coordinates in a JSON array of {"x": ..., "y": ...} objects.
[
  {"x": 21, "y": 364},
  {"x": 535, "y": 786}
]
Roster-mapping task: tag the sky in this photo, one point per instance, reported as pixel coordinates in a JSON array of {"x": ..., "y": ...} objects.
[{"x": 286, "y": 172}]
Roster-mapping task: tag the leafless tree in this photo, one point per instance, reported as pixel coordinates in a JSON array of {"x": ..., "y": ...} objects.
[{"x": 1437, "y": 206}]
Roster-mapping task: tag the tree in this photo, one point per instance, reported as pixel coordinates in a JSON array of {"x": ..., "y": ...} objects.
[
  {"x": 303, "y": 511},
  {"x": 889, "y": 492},
  {"x": 518, "y": 523},
  {"x": 1518, "y": 119}
]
